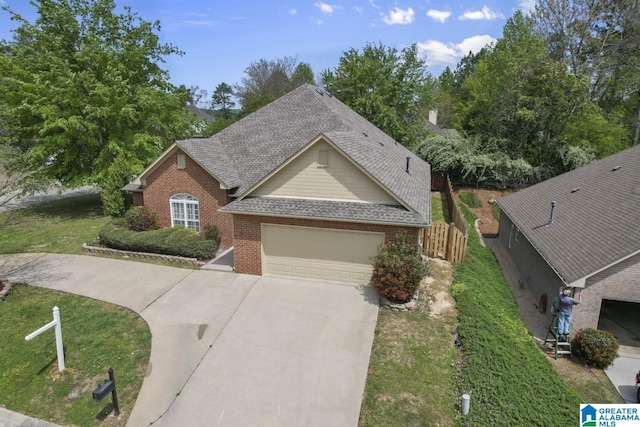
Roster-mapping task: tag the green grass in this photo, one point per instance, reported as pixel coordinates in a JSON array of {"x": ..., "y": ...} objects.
[
  {"x": 470, "y": 199},
  {"x": 412, "y": 370},
  {"x": 437, "y": 209},
  {"x": 60, "y": 226},
  {"x": 495, "y": 210},
  {"x": 96, "y": 336},
  {"x": 510, "y": 380}
]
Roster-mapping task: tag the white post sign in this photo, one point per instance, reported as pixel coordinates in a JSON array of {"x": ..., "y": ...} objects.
[{"x": 55, "y": 323}]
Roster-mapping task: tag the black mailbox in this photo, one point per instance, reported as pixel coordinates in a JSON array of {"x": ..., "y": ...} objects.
[{"x": 102, "y": 390}]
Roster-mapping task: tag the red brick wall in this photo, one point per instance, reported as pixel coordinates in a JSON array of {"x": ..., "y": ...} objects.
[
  {"x": 247, "y": 251},
  {"x": 621, "y": 282},
  {"x": 168, "y": 180}
]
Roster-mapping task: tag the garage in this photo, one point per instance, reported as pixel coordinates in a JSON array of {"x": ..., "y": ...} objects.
[
  {"x": 621, "y": 319},
  {"x": 318, "y": 253}
]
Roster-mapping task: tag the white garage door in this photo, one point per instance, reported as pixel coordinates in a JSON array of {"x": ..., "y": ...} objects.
[{"x": 318, "y": 253}]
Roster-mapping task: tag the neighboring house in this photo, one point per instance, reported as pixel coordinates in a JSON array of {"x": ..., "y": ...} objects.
[
  {"x": 203, "y": 119},
  {"x": 302, "y": 187},
  {"x": 592, "y": 244}
]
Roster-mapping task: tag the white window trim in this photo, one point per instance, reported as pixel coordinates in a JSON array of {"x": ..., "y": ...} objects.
[
  {"x": 511, "y": 234},
  {"x": 186, "y": 202}
]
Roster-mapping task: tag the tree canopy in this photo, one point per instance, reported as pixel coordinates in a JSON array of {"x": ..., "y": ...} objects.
[
  {"x": 82, "y": 86},
  {"x": 267, "y": 80},
  {"x": 390, "y": 88},
  {"x": 221, "y": 100}
]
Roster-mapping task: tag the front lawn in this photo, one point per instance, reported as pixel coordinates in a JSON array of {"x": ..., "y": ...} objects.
[
  {"x": 96, "y": 336},
  {"x": 59, "y": 226}
]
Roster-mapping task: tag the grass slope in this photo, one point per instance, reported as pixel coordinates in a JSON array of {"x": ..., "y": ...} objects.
[
  {"x": 60, "y": 226},
  {"x": 511, "y": 382},
  {"x": 96, "y": 336}
]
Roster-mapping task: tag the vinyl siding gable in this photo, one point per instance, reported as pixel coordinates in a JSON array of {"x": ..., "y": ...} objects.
[{"x": 341, "y": 180}]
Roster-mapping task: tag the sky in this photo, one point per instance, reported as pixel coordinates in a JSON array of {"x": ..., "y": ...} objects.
[{"x": 221, "y": 38}]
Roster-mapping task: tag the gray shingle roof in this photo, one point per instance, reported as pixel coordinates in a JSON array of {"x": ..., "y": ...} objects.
[
  {"x": 247, "y": 151},
  {"x": 594, "y": 227},
  {"x": 339, "y": 211}
]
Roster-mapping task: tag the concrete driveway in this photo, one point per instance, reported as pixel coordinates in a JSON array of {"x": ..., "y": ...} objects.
[{"x": 230, "y": 349}]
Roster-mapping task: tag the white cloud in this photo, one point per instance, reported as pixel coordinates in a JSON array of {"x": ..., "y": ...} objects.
[
  {"x": 293, "y": 11},
  {"x": 359, "y": 9},
  {"x": 484, "y": 14},
  {"x": 399, "y": 16},
  {"x": 373, "y": 4},
  {"x": 436, "y": 52},
  {"x": 527, "y": 5},
  {"x": 317, "y": 21},
  {"x": 325, "y": 8},
  {"x": 440, "y": 15}
]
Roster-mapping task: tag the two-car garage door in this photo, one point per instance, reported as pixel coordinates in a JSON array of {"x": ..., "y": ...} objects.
[{"x": 318, "y": 253}]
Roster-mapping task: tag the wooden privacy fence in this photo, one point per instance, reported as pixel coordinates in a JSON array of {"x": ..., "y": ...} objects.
[
  {"x": 443, "y": 240},
  {"x": 448, "y": 241}
]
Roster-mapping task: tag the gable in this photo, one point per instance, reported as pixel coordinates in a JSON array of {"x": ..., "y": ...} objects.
[{"x": 305, "y": 178}]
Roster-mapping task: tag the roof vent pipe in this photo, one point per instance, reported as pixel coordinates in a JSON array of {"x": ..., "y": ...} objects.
[
  {"x": 553, "y": 208},
  {"x": 408, "y": 158}
]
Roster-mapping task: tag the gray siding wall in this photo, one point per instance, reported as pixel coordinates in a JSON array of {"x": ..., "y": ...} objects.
[
  {"x": 620, "y": 282},
  {"x": 536, "y": 273}
]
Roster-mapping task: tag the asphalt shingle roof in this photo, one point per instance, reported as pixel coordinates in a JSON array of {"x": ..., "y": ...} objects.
[
  {"x": 339, "y": 211},
  {"x": 593, "y": 227},
  {"x": 243, "y": 154}
]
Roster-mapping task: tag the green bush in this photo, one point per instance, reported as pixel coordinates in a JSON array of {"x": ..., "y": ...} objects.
[
  {"x": 596, "y": 347},
  {"x": 398, "y": 269},
  {"x": 141, "y": 218},
  {"x": 470, "y": 199},
  {"x": 113, "y": 198},
  {"x": 495, "y": 209},
  {"x": 211, "y": 232},
  {"x": 168, "y": 241}
]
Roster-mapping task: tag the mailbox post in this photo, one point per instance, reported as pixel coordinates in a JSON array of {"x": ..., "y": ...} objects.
[
  {"x": 58, "y": 331},
  {"x": 106, "y": 387}
]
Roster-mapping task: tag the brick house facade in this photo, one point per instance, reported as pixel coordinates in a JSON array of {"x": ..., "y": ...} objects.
[{"x": 167, "y": 180}]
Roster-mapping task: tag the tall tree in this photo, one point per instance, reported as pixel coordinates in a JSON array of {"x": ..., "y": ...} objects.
[
  {"x": 82, "y": 86},
  {"x": 267, "y": 80},
  {"x": 390, "y": 88},
  {"x": 221, "y": 100},
  {"x": 197, "y": 96}
]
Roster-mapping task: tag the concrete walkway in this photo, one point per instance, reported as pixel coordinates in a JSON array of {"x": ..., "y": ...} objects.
[
  {"x": 621, "y": 373},
  {"x": 229, "y": 349}
]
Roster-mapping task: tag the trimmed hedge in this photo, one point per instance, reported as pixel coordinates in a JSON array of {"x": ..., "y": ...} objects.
[
  {"x": 168, "y": 241},
  {"x": 512, "y": 382}
]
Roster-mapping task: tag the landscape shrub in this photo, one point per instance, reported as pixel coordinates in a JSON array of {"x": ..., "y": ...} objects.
[
  {"x": 470, "y": 199},
  {"x": 398, "y": 269},
  {"x": 211, "y": 232},
  {"x": 176, "y": 241},
  {"x": 113, "y": 198},
  {"x": 141, "y": 218},
  {"x": 596, "y": 347}
]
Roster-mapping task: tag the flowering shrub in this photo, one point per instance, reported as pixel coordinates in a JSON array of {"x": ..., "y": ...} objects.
[
  {"x": 398, "y": 269},
  {"x": 597, "y": 347}
]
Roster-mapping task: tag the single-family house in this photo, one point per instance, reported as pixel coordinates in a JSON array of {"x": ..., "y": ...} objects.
[
  {"x": 303, "y": 187},
  {"x": 591, "y": 240}
]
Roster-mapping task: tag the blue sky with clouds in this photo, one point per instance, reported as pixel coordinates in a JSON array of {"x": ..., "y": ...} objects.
[{"x": 221, "y": 38}]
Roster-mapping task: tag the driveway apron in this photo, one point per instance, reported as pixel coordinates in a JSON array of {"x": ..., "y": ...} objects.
[
  {"x": 295, "y": 353},
  {"x": 230, "y": 349}
]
